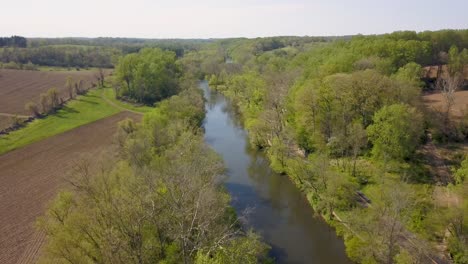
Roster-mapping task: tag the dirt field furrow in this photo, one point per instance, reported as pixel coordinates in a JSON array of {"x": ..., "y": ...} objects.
[{"x": 31, "y": 176}]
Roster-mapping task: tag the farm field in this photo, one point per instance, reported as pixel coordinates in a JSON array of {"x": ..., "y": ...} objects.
[
  {"x": 30, "y": 179},
  {"x": 83, "y": 110},
  {"x": 436, "y": 101},
  {"x": 17, "y": 87}
]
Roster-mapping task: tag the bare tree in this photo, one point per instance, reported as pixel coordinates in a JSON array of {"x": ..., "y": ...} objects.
[
  {"x": 69, "y": 86},
  {"x": 100, "y": 75},
  {"x": 44, "y": 101},
  {"x": 53, "y": 97},
  {"x": 79, "y": 87},
  {"x": 448, "y": 86},
  {"x": 32, "y": 108}
]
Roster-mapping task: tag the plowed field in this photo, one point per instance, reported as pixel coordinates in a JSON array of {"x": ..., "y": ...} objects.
[
  {"x": 30, "y": 177},
  {"x": 17, "y": 87}
]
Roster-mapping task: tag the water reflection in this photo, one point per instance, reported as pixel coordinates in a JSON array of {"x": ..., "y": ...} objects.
[{"x": 280, "y": 213}]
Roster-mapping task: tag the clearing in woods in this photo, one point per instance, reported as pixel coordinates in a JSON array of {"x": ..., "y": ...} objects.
[{"x": 436, "y": 101}]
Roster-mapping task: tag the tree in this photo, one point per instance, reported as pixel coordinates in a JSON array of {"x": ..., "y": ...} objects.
[
  {"x": 455, "y": 61},
  {"x": 148, "y": 76},
  {"x": 357, "y": 140},
  {"x": 53, "y": 98},
  {"x": 161, "y": 201},
  {"x": 461, "y": 174},
  {"x": 69, "y": 85},
  {"x": 32, "y": 108},
  {"x": 396, "y": 132},
  {"x": 380, "y": 232},
  {"x": 448, "y": 85},
  {"x": 79, "y": 88},
  {"x": 45, "y": 103},
  {"x": 100, "y": 76}
]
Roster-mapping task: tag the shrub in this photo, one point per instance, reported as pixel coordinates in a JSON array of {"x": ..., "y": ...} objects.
[
  {"x": 33, "y": 109},
  {"x": 69, "y": 86},
  {"x": 12, "y": 65},
  {"x": 45, "y": 103},
  {"x": 79, "y": 90},
  {"x": 30, "y": 67},
  {"x": 16, "y": 121},
  {"x": 53, "y": 98}
]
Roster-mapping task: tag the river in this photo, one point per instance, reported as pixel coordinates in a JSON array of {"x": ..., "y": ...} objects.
[{"x": 277, "y": 210}]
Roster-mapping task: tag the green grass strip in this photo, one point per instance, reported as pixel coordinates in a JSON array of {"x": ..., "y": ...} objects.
[
  {"x": 83, "y": 110},
  {"x": 109, "y": 94}
]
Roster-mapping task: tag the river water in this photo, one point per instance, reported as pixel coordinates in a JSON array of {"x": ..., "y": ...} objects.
[{"x": 278, "y": 211}]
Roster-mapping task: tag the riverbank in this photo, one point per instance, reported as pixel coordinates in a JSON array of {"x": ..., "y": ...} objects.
[
  {"x": 353, "y": 209},
  {"x": 276, "y": 208}
]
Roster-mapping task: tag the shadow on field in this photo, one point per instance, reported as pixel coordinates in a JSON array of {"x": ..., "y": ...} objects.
[
  {"x": 66, "y": 110},
  {"x": 87, "y": 101}
]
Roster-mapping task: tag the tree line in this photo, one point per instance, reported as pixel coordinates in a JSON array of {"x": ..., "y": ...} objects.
[
  {"x": 13, "y": 41},
  {"x": 62, "y": 56}
]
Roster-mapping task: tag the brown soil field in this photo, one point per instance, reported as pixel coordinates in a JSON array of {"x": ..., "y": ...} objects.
[
  {"x": 17, "y": 87},
  {"x": 31, "y": 176},
  {"x": 436, "y": 102}
]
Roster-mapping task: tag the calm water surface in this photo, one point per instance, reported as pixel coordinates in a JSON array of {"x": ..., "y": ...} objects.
[{"x": 279, "y": 212}]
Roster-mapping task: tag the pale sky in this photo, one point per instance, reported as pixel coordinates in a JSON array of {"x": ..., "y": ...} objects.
[{"x": 220, "y": 19}]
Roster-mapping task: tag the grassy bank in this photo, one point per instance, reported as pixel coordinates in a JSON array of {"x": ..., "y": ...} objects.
[
  {"x": 109, "y": 94},
  {"x": 85, "y": 109}
]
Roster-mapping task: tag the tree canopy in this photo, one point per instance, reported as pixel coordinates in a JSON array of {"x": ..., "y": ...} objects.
[{"x": 148, "y": 76}]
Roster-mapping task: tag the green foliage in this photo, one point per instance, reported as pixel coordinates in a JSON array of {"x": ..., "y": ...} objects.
[
  {"x": 357, "y": 250},
  {"x": 314, "y": 105},
  {"x": 247, "y": 250},
  {"x": 462, "y": 173},
  {"x": 148, "y": 76},
  {"x": 161, "y": 201},
  {"x": 396, "y": 132}
]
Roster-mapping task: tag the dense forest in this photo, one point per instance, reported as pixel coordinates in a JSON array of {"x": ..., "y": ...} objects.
[
  {"x": 346, "y": 122},
  {"x": 343, "y": 118}
]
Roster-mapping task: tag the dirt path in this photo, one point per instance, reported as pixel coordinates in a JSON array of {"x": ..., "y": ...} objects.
[{"x": 31, "y": 176}]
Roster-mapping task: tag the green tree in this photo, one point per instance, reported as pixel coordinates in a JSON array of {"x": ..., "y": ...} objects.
[
  {"x": 461, "y": 173},
  {"x": 396, "y": 132},
  {"x": 148, "y": 76}
]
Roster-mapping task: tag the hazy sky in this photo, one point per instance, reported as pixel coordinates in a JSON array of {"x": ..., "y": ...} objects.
[{"x": 216, "y": 19}]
